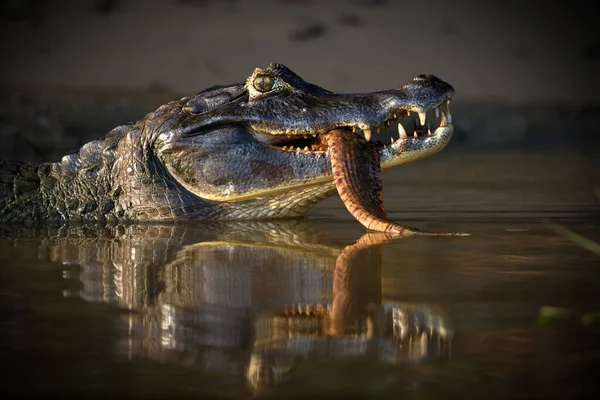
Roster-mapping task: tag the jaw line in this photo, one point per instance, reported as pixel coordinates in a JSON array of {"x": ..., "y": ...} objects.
[
  {"x": 401, "y": 152},
  {"x": 407, "y": 150}
]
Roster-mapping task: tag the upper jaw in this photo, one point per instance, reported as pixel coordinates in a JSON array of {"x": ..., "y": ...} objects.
[
  {"x": 399, "y": 124},
  {"x": 396, "y": 126},
  {"x": 426, "y": 96}
]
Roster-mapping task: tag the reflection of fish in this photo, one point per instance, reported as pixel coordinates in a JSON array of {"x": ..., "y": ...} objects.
[
  {"x": 269, "y": 148},
  {"x": 248, "y": 297},
  {"x": 356, "y": 324}
]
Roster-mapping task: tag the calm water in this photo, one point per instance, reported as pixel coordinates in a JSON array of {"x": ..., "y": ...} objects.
[{"x": 302, "y": 308}]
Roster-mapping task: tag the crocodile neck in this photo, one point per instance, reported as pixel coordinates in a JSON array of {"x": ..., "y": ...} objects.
[
  {"x": 105, "y": 180},
  {"x": 78, "y": 187}
]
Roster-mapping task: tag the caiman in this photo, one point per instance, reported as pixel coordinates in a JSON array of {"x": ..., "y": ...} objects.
[{"x": 271, "y": 147}]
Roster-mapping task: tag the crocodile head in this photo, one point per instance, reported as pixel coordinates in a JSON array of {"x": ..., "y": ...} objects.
[{"x": 276, "y": 144}]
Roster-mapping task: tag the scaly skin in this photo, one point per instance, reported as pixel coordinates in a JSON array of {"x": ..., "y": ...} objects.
[
  {"x": 357, "y": 174},
  {"x": 224, "y": 154}
]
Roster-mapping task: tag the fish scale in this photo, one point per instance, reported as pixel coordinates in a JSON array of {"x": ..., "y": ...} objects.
[{"x": 356, "y": 172}]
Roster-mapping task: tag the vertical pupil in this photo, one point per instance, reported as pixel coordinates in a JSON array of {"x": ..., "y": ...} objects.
[{"x": 263, "y": 83}]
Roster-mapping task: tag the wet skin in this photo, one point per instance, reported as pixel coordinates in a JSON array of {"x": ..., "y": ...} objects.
[{"x": 269, "y": 148}]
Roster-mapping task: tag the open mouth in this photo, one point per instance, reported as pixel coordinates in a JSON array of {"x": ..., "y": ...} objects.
[
  {"x": 402, "y": 126},
  {"x": 407, "y": 125},
  {"x": 357, "y": 149}
]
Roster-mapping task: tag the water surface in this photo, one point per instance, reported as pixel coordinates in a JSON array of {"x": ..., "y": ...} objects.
[{"x": 300, "y": 308}]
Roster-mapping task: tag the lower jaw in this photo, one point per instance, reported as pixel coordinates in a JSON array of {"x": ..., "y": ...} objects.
[
  {"x": 297, "y": 200},
  {"x": 407, "y": 150}
]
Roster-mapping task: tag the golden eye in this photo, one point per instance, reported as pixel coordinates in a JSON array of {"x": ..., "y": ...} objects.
[{"x": 263, "y": 83}]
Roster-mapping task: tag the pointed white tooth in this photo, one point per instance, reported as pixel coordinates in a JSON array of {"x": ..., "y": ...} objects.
[
  {"x": 395, "y": 116},
  {"x": 401, "y": 131},
  {"x": 393, "y": 141},
  {"x": 415, "y": 135},
  {"x": 428, "y": 130},
  {"x": 449, "y": 117},
  {"x": 422, "y": 117},
  {"x": 353, "y": 129},
  {"x": 436, "y": 111},
  {"x": 443, "y": 120},
  {"x": 305, "y": 148},
  {"x": 367, "y": 133},
  {"x": 443, "y": 108}
]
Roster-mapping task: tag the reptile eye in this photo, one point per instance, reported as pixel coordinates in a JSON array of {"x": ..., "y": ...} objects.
[{"x": 263, "y": 83}]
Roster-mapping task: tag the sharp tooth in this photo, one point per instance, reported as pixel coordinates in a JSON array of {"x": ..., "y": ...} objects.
[
  {"x": 436, "y": 111},
  {"x": 393, "y": 141},
  {"x": 449, "y": 117},
  {"x": 428, "y": 130},
  {"x": 367, "y": 133},
  {"x": 353, "y": 129},
  {"x": 443, "y": 108},
  {"x": 284, "y": 148},
  {"x": 291, "y": 147},
  {"x": 305, "y": 148},
  {"x": 401, "y": 131},
  {"x": 422, "y": 117},
  {"x": 395, "y": 116},
  {"x": 443, "y": 120},
  {"x": 415, "y": 135}
]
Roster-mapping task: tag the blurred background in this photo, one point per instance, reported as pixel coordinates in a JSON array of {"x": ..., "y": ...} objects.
[{"x": 524, "y": 72}]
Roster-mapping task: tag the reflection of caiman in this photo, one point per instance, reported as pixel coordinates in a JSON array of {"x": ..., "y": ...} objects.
[
  {"x": 249, "y": 298},
  {"x": 269, "y": 148}
]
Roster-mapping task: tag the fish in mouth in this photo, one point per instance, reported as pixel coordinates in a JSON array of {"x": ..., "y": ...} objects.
[{"x": 356, "y": 168}]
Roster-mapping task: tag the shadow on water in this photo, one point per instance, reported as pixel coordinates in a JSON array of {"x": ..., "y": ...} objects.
[{"x": 279, "y": 309}]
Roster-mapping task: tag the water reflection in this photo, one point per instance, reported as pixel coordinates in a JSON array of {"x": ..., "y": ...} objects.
[{"x": 250, "y": 299}]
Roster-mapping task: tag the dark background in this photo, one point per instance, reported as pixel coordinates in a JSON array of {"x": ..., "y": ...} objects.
[{"x": 524, "y": 72}]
